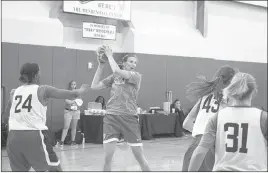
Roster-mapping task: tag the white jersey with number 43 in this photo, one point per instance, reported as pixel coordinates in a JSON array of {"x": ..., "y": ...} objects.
[
  {"x": 26, "y": 112},
  {"x": 209, "y": 106}
]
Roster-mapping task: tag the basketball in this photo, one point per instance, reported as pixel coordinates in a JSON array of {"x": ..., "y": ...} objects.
[{"x": 101, "y": 55}]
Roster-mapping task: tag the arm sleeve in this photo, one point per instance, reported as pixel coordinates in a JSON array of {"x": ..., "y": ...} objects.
[{"x": 134, "y": 78}]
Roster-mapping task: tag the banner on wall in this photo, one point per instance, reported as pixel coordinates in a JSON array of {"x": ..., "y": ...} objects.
[
  {"x": 110, "y": 9},
  {"x": 99, "y": 31}
]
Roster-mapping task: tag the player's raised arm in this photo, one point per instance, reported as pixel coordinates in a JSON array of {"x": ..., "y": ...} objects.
[
  {"x": 97, "y": 83},
  {"x": 114, "y": 66}
]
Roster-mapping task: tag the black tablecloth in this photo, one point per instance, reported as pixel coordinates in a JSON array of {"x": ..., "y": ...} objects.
[
  {"x": 161, "y": 124},
  {"x": 92, "y": 126}
]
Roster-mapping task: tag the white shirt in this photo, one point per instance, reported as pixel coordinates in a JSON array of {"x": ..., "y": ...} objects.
[
  {"x": 240, "y": 144},
  {"x": 209, "y": 106},
  {"x": 26, "y": 112}
]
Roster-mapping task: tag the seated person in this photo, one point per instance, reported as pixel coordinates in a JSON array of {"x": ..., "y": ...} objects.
[
  {"x": 178, "y": 110},
  {"x": 100, "y": 99},
  {"x": 177, "y": 106}
]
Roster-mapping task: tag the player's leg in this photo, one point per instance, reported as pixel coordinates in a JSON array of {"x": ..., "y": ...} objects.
[
  {"x": 189, "y": 153},
  {"x": 15, "y": 148},
  {"x": 75, "y": 118},
  {"x": 131, "y": 131},
  {"x": 208, "y": 163},
  {"x": 67, "y": 121},
  {"x": 111, "y": 133},
  {"x": 139, "y": 156},
  {"x": 40, "y": 153},
  {"x": 109, "y": 149}
]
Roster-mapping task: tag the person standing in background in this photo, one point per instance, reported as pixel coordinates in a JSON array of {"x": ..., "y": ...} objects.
[{"x": 71, "y": 115}]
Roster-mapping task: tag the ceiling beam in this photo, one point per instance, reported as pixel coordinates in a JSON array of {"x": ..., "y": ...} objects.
[{"x": 201, "y": 18}]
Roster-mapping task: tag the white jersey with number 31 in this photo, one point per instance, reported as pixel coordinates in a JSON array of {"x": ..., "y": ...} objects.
[
  {"x": 240, "y": 143},
  {"x": 26, "y": 112}
]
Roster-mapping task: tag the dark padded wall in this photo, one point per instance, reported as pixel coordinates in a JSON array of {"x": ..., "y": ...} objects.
[
  {"x": 184, "y": 70},
  {"x": 9, "y": 67},
  {"x": 159, "y": 74},
  {"x": 64, "y": 61},
  {"x": 153, "y": 84}
]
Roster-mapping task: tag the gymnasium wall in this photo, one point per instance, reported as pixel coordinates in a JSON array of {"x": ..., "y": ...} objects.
[
  {"x": 160, "y": 73},
  {"x": 171, "y": 51},
  {"x": 235, "y": 31}
]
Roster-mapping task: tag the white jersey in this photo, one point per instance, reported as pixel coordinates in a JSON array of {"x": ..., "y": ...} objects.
[
  {"x": 209, "y": 106},
  {"x": 26, "y": 112},
  {"x": 240, "y": 143}
]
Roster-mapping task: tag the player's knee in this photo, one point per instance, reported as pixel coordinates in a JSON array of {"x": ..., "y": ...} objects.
[
  {"x": 108, "y": 156},
  {"x": 66, "y": 127},
  {"x": 73, "y": 129},
  {"x": 137, "y": 151}
]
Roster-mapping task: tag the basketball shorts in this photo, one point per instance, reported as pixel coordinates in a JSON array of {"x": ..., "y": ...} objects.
[
  {"x": 118, "y": 126},
  {"x": 30, "y": 148},
  {"x": 207, "y": 164}
]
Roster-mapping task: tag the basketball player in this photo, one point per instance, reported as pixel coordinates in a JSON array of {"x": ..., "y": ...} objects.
[
  {"x": 28, "y": 144},
  {"x": 238, "y": 132},
  {"x": 210, "y": 100},
  {"x": 122, "y": 117}
]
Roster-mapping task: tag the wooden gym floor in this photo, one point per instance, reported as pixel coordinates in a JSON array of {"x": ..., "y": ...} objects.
[{"x": 163, "y": 154}]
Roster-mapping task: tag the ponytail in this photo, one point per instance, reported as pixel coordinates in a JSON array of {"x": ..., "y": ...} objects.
[
  {"x": 218, "y": 88},
  {"x": 23, "y": 79},
  {"x": 242, "y": 86},
  {"x": 26, "y": 78},
  {"x": 197, "y": 90}
]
